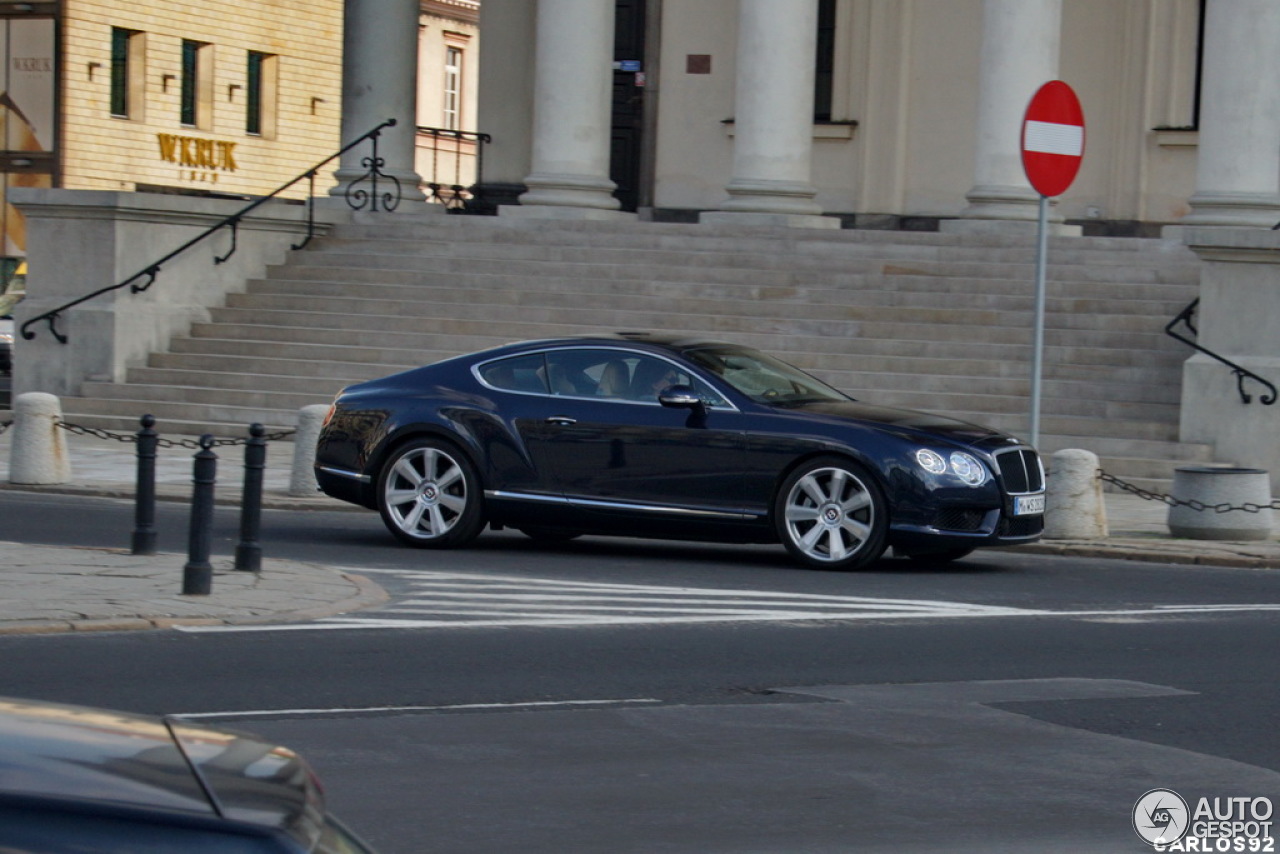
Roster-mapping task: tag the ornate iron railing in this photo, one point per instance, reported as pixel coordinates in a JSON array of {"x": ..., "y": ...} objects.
[
  {"x": 1241, "y": 373},
  {"x": 451, "y": 163},
  {"x": 362, "y": 193}
]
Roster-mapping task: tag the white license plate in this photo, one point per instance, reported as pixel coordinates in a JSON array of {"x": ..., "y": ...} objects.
[{"x": 1028, "y": 505}]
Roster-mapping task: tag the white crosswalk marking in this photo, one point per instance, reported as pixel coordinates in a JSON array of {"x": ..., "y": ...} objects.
[
  {"x": 462, "y": 601},
  {"x": 459, "y": 600}
]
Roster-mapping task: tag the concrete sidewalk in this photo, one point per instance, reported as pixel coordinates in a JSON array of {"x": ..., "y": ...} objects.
[{"x": 47, "y": 589}]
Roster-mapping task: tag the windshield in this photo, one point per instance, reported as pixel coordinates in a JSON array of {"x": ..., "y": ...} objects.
[{"x": 762, "y": 378}]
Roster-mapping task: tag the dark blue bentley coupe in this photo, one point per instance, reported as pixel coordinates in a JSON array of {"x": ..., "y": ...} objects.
[{"x": 638, "y": 434}]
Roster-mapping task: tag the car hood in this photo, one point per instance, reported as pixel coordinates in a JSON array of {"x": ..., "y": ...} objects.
[
  {"x": 906, "y": 422},
  {"x": 81, "y": 753}
]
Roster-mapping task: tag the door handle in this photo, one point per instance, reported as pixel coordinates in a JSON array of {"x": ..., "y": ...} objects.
[{"x": 562, "y": 420}]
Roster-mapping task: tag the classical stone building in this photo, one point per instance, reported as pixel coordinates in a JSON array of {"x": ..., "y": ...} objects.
[{"x": 881, "y": 112}]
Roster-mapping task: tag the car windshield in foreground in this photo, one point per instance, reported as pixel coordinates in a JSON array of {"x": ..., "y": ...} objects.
[{"x": 761, "y": 377}]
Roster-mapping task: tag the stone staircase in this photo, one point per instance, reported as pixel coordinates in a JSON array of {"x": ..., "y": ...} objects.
[{"x": 923, "y": 320}]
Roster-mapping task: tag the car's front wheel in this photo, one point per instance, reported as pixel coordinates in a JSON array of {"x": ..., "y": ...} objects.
[
  {"x": 831, "y": 514},
  {"x": 429, "y": 495}
]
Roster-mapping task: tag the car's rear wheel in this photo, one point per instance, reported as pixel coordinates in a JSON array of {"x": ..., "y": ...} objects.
[
  {"x": 831, "y": 514},
  {"x": 429, "y": 495}
]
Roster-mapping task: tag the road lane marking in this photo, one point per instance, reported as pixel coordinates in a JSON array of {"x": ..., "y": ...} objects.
[{"x": 457, "y": 707}]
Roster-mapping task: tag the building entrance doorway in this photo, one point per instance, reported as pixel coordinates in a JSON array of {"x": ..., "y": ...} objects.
[{"x": 627, "y": 142}]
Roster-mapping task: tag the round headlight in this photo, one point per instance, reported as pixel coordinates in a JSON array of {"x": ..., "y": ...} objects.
[
  {"x": 931, "y": 461},
  {"x": 968, "y": 469}
]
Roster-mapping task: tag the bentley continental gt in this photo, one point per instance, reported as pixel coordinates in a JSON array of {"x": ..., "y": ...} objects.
[{"x": 638, "y": 434}]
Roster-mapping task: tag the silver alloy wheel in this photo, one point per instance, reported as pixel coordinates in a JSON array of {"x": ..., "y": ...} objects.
[
  {"x": 830, "y": 515},
  {"x": 425, "y": 492}
]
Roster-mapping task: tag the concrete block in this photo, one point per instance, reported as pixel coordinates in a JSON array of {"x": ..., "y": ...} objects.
[
  {"x": 302, "y": 478},
  {"x": 38, "y": 455},
  {"x": 1074, "y": 507}
]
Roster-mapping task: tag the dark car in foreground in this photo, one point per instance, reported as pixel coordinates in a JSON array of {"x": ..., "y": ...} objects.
[
  {"x": 637, "y": 434},
  {"x": 94, "y": 781}
]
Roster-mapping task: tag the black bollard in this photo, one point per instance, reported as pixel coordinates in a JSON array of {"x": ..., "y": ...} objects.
[
  {"x": 144, "y": 514},
  {"x": 249, "y": 551},
  {"x": 197, "y": 574}
]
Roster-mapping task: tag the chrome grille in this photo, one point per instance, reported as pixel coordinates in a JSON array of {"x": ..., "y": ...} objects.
[{"x": 1020, "y": 471}]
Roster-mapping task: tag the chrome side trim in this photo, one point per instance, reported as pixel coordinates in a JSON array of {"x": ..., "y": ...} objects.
[
  {"x": 621, "y": 505},
  {"x": 502, "y": 494},
  {"x": 363, "y": 478}
]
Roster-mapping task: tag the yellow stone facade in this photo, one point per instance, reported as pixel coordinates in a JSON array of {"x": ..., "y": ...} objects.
[{"x": 152, "y": 147}]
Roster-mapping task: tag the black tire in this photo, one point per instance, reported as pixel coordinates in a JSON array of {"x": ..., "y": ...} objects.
[
  {"x": 429, "y": 495},
  {"x": 831, "y": 514},
  {"x": 549, "y": 535}
]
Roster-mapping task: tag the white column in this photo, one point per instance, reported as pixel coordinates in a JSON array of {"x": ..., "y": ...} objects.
[
  {"x": 379, "y": 82},
  {"x": 773, "y": 117},
  {"x": 1238, "y": 159},
  {"x": 572, "y": 112},
  {"x": 1020, "y": 41}
]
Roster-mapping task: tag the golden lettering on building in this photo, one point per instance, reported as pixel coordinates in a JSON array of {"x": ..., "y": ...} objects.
[{"x": 193, "y": 152}]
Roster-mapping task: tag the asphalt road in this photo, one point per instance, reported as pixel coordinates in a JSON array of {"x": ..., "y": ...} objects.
[{"x": 1033, "y": 728}]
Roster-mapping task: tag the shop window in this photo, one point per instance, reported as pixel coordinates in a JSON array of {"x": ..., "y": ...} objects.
[
  {"x": 128, "y": 60},
  {"x": 196, "y": 108},
  {"x": 260, "y": 88}
]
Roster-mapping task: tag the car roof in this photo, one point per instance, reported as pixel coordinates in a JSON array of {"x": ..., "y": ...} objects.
[
  {"x": 656, "y": 341},
  {"x": 78, "y": 753}
]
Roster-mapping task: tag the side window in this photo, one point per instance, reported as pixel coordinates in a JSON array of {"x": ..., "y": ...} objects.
[
  {"x": 617, "y": 375},
  {"x": 523, "y": 373},
  {"x": 652, "y": 376},
  {"x": 587, "y": 373},
  {"x": 649, "y": 376}
]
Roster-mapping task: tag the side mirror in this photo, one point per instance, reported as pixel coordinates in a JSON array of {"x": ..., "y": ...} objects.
[{"x": 684, "y": 397}]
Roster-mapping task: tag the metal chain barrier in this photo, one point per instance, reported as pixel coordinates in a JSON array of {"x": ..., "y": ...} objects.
[
  {"x": 1198, "y": 506},
  {"x": 190, "y": 444}
]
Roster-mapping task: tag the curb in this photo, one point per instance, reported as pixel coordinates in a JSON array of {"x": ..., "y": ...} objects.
[
  {"x": 1138, "y": 553},
  {"x": 368, "y": 594},
  {"x": 270, "y": 500}
]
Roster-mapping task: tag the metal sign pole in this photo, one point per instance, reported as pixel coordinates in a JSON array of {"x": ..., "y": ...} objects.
[{"x": 1037, "y": 354}]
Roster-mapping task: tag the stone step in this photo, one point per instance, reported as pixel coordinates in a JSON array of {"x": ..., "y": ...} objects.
[
  {"x": 122, "y": 415},
  {"x": 227, "y": 388},
  {"x": 1145, "y": 382},
  {"x": 753, "y": 269},
  {"x": 142, "y": 380},
  {"x": 1017, "y": 313},
  {"x": 541, "y": 323},
  {"x": 201, "y": 398},
  {"x": 270, "y": 363},
  {"x": 811, "y": 352},
  {"x": 645, "y": 295},
  {"x": 1002, "y": 249},
  {"x": 746, "y": 256}
]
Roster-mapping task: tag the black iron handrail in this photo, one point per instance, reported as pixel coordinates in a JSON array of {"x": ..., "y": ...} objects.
[
  {"x": 455, "y": 196},
  {"x": 1241, "y": 373},
  {"x": 357, "y": 196}
]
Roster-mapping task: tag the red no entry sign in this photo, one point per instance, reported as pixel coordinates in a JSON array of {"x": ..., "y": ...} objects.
[{"x": 1053, "y": 138}]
